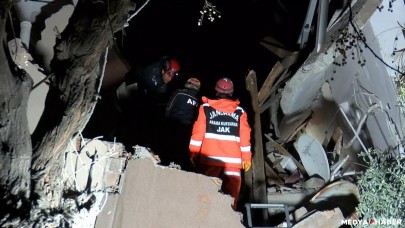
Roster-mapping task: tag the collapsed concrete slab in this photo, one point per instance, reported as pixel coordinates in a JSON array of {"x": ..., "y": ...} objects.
[
  {"x": 360, "y": 90},
  {"x": 156, "y": 196},
  {"x": 329, "y": 218}
]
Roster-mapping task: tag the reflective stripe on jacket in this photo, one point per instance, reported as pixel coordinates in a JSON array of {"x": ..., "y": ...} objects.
[{"x": 221, "y": 134}]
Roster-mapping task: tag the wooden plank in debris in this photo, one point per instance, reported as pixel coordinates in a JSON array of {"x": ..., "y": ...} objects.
[
  {"x": 268, "y": 83},
  {"x": 275, "y": 46},
  {"x": 274, "y": 108},
  {"x": 291, "y": 125},
  {"x": 295, "y": 132},
  {"x": 265, "y": 104},
  {"x": 283, "y": 151},
  {"x": 290, "y": 60},
  {"x": 268, "y": 88},
  {"x": 258, "y": 169}
]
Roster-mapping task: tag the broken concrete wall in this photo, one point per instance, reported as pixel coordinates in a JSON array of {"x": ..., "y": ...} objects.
[
  {"x": 155, "y": 196},
  {"x": 134, "y": 191},
  {"x": 93, "y": 170},
  {"x": 355, "y": 88},
  {"x": 47, "y": 19},
  {"x": 305, "y": 84},
  {"x": 94, "y": 165}
]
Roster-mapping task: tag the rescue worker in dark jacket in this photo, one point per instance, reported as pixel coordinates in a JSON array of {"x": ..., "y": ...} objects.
[
  {"x": 184, "y": 103},
  {"x": 150, "y": 81},
  {"x": 181, "y": 112},
  {"x": 143, "y": 98},
  {"x": 220, "y": 140},
  {"x": 156, "y": 76}
]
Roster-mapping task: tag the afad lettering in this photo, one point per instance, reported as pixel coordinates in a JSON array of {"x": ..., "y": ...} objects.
[{"x": 192, "y": 102}]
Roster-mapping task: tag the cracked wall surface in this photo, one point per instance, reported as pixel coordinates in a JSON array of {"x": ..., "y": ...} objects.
[{"x": 155, "y": 196}]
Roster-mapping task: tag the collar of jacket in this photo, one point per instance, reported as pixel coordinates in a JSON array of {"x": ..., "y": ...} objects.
[{"x": 225, "y": 105}]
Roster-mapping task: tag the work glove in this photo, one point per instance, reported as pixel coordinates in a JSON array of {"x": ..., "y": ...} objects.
[{"x": 246, "y": 165}]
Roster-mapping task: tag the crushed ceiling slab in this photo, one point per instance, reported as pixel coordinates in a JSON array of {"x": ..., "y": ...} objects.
[{"x": 155, "y": 196}]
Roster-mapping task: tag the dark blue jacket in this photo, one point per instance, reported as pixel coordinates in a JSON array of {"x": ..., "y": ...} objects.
[
  {"x": 149, "y": 79},
  {"x": 183, "y": 106}
]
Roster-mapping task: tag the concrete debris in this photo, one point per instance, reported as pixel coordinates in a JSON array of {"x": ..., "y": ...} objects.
[
  {"x": 156, "y": 196},
  {"x": 322, "y": 108},
  {"x": 144, "y": 152},
  {"x": 321, "y": 168},
  {"x": 86, "y": 217},
  {"x": 314, "y": 183},
  {"x": 132, "y": 190},
  {"x": 93, "y": 170},
  {"x": 295, "y": 216},
  {"x": 294, "y": 178},
  {"x": 95, "y": 166},
  {"x": 298, "y": 214},
  {"x": 290, "y": 196},
  {"x": 276, "y": 160},
  {"x": 342, "y": 194},
  {"x": 284, "y": 189},
  {"x": 331, "y": 219},
  {"x": 322, "y": 123},
  {"x": 288, "y": 164},
  {"x": 271, "y": 190},
  {"x": 284, "y": 152}
]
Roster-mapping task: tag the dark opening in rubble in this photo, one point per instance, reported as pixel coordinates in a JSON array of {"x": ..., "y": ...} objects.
[{"x": 227, "y": 47}]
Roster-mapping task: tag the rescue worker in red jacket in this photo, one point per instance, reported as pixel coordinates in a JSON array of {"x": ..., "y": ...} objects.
[
  {"x": 181, "y": 112},
  {"x": 220, "y": 141}
]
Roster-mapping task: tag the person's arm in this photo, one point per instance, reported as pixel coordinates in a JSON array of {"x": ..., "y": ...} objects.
[
  {"x": 198, "y": 133},
  {"x": 171, "y": 104},
  {"x": 245, "y": 139}
]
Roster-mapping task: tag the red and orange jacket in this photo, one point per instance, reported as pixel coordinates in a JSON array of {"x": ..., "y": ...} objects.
[{"x": 221, "y": 134}]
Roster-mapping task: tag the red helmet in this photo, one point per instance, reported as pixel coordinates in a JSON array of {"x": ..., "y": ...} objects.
[
  {"x": 173, "y": 67},
  {"x": 224, "y": 86},
  {"x": 193, "y": 83}
]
